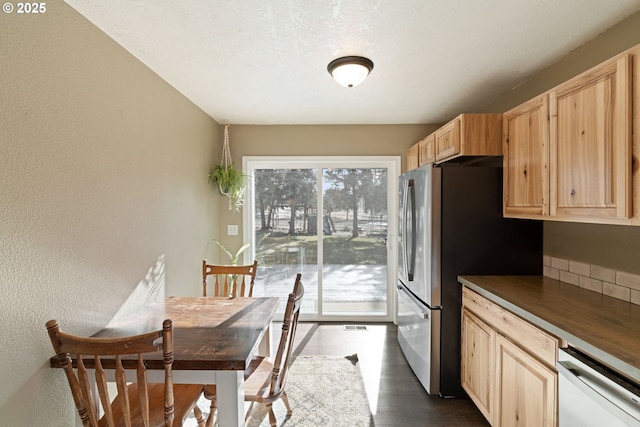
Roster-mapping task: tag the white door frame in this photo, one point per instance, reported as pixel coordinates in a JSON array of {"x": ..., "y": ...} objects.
[{"x": 391, "y": 163}]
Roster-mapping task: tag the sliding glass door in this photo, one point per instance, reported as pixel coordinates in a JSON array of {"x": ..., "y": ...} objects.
[{"x": 328, "y": 219}]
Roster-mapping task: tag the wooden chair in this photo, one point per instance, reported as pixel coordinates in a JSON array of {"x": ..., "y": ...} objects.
[
  {"x": 265, "y": 381},
  {"x": 227, "y": 279},
  {"x": 137, "y": 403}
]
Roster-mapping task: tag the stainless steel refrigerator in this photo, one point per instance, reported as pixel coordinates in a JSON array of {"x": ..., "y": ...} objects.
[{"x": 451, "y": 224}]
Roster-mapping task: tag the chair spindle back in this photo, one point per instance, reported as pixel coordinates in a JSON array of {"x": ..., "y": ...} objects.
[
  {"x": 126, "y": 354},
  {"x": 230, "y": 280}
]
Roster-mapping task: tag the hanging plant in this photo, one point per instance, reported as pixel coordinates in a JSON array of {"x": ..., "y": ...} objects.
[{"x": 230, "y": 181}]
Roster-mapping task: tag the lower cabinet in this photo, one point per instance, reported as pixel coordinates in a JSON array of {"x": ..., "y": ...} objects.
[
  {"x": 525, "y": 388},
  {"x": 478, "y": 362},
  {"x": 507, "y": 366}
]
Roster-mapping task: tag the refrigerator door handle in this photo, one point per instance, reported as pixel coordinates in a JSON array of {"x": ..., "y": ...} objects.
[
  {"x": 412, "y": 211},
  {"x": 414, "y": 303},
  {"x": 403, "y": 229}
]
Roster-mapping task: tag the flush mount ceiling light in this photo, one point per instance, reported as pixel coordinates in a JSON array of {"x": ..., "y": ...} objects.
[{"x": 350, "y": 71}]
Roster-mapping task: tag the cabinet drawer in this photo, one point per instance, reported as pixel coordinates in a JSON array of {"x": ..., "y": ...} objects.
[{"x": 519, "y": 331}]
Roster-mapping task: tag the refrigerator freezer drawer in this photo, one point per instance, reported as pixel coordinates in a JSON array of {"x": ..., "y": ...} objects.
[{"x": 419, "y": 338}]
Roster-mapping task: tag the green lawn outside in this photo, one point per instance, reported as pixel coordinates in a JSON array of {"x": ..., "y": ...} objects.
[{"x": 339, "y": 250}]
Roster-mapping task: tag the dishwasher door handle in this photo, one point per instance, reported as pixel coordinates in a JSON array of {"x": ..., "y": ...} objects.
[{"x": 597, "y": 387}]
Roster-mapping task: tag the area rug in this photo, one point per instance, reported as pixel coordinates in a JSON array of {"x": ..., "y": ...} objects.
[{"x": 323, "y": 391}]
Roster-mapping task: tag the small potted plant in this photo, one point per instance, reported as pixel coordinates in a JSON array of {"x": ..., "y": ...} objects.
[
  {"x": 233, "y": 258},
  {"x": 229, "y": 180}
]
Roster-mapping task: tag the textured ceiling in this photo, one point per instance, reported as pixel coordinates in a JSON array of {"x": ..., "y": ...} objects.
[{"x": 264, "y": 62}]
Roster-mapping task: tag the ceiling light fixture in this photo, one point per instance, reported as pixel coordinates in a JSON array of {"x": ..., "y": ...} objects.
[{"x": 350, "y": 71}]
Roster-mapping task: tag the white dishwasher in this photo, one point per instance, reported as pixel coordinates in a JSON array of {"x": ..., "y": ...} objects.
[{"x": 590, "y": 394}]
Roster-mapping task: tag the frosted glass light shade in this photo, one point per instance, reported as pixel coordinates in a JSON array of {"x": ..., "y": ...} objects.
[{"x": 350, "y": 71}]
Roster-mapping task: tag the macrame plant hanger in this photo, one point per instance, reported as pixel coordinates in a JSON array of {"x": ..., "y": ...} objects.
[
  {"x": 230, "y": 181},
  {"x": 226, "y": 159}
]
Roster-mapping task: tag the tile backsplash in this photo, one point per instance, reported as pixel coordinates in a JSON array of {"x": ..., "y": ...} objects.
[{"x": 617, "y": 284}]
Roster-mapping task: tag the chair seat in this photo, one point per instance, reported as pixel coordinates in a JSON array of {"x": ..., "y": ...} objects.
[
  {"x": 254, "y": 378},
  {"x": 186, "y": 397},
  {"x": 257, "y": 385}
]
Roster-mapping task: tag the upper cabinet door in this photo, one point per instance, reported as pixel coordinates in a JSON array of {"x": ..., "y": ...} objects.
[
  {"x": 428, "y": 149},
  {"x": 590, "y": 143},
  {"x": 448, "y": 139},
  {"x": 413, "y": 154},
  {"x": 525, "y": 147}
]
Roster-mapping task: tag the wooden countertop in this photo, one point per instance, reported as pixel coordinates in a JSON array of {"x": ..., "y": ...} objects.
[{"x": 604, "y": 327}]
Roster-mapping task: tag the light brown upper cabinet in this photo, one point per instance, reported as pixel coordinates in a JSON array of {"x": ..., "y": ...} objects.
[
  {"x": 421, "y": 153},
  {"x": 448, "y": 140},
  {"x": 469, "y": 135},
  {"x": 590, "y": 143},
  {"x": 413, "y": 154},
  {"x": 568, "y": 152},
  {"x": 427, "y": 150},
  {"x": 525, "y": 147}
]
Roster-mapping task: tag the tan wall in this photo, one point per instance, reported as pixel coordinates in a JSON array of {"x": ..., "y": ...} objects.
[
  {"x": 616, "y": 247},
  {"x": 103, "y": 195},
  {"x": 320, "y": 140}
]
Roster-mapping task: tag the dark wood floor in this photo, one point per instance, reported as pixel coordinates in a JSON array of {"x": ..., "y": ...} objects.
[{"x": 395, "y": 396}]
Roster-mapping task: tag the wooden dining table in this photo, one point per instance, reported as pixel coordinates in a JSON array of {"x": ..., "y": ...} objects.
[{"x": 214, "y": 341}]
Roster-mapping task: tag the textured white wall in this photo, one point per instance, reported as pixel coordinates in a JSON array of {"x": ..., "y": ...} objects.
[{"x": 104, "y": 201}]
